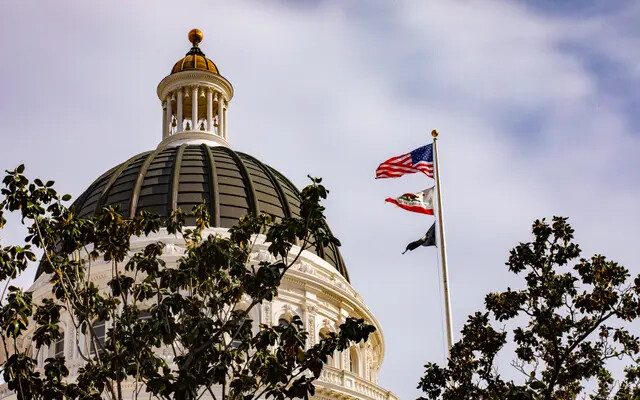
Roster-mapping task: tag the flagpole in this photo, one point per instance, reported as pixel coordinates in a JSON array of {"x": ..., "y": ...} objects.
[{"x": 443, "y": 251}]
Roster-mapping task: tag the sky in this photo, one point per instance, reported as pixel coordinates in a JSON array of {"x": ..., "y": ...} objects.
[{"x": 535, "y": 102}]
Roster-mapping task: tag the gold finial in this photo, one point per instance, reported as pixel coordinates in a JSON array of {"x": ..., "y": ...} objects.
[
  {"x": 195, "y": 36},
  {"x": 434, "y": 133}
]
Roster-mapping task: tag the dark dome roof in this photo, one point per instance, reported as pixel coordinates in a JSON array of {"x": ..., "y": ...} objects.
[{"x": 232, "y": 184}]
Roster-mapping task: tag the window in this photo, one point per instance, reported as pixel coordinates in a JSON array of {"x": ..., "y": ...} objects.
[
  {"x": 324, "y": 333},
  {"x": 145, "y": 315},
  {"x": 100, "y": 332},
  {"x": 58, "y": 346},
  {"x": 236, "y": 343},
  {"x": 284, "y": 322},
  {"x": 353, "y": 360}
]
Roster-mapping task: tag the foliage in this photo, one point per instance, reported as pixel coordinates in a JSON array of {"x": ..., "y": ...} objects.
[
  {"x": 199, "y": 308},
  {"x": 569, "y": 322}
]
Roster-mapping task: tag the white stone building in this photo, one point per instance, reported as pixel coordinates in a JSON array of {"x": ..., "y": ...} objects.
[{"x": 194, "y": 163}]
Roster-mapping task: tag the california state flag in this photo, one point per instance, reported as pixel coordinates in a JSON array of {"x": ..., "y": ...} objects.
[{"x": 421, "y": 202}]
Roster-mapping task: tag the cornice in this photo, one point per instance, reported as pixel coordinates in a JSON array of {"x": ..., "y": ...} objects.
[
  {"x": 198, "y": 136},
  {"x": 189, "y": 78}
]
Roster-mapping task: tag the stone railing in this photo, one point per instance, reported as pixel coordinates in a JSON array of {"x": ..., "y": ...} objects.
[{"x": 351, "y": 384}]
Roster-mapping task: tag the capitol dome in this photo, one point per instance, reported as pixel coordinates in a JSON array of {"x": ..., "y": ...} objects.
[{"x": 231, "y": 184}]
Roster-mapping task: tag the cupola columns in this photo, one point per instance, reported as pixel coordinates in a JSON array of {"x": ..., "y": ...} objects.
[
  {"x": 221, "y": 123},
  {"x": 179, "y": 118},
  {"x": 168, "y": 117},
  {"x": 192, "y": 119},
  {"x": 194, "y": 109},
  {"x": 202, "y": 115},
  {"x": 209, "y": 110}
]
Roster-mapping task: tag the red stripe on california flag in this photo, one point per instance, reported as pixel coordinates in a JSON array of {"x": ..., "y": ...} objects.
[{"x": 420, "y": 210}]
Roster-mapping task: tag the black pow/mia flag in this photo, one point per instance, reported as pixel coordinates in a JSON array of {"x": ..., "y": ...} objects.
[{"x": 429, "y": 239}]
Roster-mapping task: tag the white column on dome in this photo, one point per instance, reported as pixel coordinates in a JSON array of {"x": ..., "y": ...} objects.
[
  {"x": 219, "y": 98},
  {"x": 179, "y": 110},
  {"x": 224, "y": 119},
  {"x": 194, "y": 108},
  {"x": 169, "y": 116},
  {"x": 209, "y": 110},
  {"x": 164, "y": 119}
]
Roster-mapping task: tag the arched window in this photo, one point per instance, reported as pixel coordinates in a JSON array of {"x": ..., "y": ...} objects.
[
  {"x": 324, "y": 334},
  {"x": 100, "y": 332},
  {"x": 353, "y": 360},
  {"x": 284, "y": 321},
  {"x": 58, "y": 346},
  {"x": 144, "y": 315},
  {"x": 236, "y": 343}
]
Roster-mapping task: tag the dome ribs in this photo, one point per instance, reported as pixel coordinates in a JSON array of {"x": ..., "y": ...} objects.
[
  {"x": 335, "y": 258},
  {"x": 89, "y": 199},
  {"x": 213, "y": 186},
  {"x": 290, "y": 191},
  {"x": 138, "y": 186},
  {"x": 342, "y": 267},
  {"x": 175, "y": 180},
  {"x": 251, "y": 191},
  {"x": 112, "y": 180},
  {"x": 232, "y": 184},
  {"x": 276, "y": 185}
]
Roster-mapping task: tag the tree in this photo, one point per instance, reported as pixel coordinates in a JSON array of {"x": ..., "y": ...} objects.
[
  {"x": 569, "y": 321},
  {"x": 193, "y": 307}
]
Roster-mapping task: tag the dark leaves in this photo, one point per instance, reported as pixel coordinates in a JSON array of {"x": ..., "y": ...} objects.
[
  {"x": 562, "y": 338},
  {"x": 198, "y": 308}
]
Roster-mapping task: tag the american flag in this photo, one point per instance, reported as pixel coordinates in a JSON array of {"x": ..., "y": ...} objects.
[{"x": 419, "y": 160}]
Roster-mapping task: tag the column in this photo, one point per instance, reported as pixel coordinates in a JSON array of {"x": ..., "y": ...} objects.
[
  {"x": 210, "y": 110},
  {"x": 169, "y": 114},
  {"x": 179, "y": 117},
  {"x": 224, "y": 119},
  {"x": 164, "y": 119},
  {"x": 194, "y": 108},
  {"x": 219, "y": 96}
]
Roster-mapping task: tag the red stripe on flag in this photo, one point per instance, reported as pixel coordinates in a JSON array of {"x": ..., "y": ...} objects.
[
  {"x": 398, "y": 158},
  {"x": 416, "y": 209}
]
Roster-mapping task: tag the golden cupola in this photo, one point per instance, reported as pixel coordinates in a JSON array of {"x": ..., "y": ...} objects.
[
  {"x": 195, "y": 58},
  {"x": 194, "y": 99}
]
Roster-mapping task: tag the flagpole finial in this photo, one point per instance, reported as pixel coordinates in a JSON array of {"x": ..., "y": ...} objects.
[{"x": 434, "y": 133}]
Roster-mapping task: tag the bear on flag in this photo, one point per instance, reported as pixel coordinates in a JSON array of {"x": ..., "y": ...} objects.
[{"x": 421, "y": 202}]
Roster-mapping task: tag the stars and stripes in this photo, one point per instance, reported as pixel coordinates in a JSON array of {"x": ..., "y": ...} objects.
[{"x": 419, "y": 160}]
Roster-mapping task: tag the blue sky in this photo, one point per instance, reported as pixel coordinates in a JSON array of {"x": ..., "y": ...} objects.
[{"x": 535, "y": 101}]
